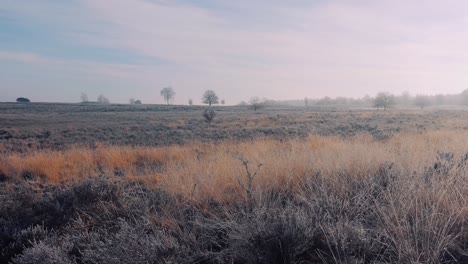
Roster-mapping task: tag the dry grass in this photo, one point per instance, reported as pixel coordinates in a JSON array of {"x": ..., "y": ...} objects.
[
  {"x": 315, "y": 200},
  {"x": 213, "y": 170}
]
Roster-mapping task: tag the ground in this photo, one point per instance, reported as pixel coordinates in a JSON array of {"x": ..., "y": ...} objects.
[
  {"x": 56, "y": 126},
  {"x": 156, "y": 184}
]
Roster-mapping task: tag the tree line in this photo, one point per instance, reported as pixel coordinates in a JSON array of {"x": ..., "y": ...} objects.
[
  {"x": 209, "y": 97},
  {"x": 383, "y": 100}
]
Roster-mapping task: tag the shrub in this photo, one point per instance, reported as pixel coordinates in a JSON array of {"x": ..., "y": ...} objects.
[
  {"x": 209, "y": 115},
  {"x": 22, "y": 100}
]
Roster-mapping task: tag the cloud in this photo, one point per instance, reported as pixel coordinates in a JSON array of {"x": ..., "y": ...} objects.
[
  {"x": 22, "y": 57},
  {"x": 94, "y": 68},
  {"x": 267, "y": 48}
]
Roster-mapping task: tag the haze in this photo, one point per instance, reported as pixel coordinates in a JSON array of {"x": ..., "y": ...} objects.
[{"x": 55, "y": 50}]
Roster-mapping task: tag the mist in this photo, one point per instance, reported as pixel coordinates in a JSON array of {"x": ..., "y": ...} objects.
[{"x": 53, "y": 51}]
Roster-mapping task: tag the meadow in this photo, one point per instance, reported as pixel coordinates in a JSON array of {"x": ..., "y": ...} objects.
[
  {"x": 58, "y": 126},
  {"x": 156, "y": 184}
]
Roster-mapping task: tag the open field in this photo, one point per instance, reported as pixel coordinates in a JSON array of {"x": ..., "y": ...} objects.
[
  {"x": 57, "y": 126},
  {"x": 288, "y": 185}
]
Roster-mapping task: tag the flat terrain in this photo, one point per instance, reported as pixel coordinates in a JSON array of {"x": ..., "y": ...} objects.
[
  {"x": 55, "y": 126},
  {"x": 156, "y": 184}
]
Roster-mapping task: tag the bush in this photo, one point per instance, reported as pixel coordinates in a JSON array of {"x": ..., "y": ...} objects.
[
  {"x": 381, "y": 216},
  {"x": 22, "y": 100},
  {"x": 209, "y": 115}
]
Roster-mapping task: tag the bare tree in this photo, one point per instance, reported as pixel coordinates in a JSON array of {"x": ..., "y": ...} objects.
[
  {"x": 421, "y": 101},
  {"x": 210, "y": 97},
  {"x": 248, "y": 186},
  {"x": 168, "y": 94},
  {"x": 84, "y": 98},
  {"x": 384, "y": 100},
  {"x": 102, "y": 99},
  {"x": 190, "y": 101},
  {"x": 132, "y": 101},
  {"x": 209, "y": 115},
  {"x": 256, "y": 103}
]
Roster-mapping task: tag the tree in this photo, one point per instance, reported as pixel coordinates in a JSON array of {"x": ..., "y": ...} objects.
[
  {"x": 256, "y": 103},
  {"x": 23, "y": 100},
  {"x": 209, "y": 115},
  {"x": 138, "y": 102},
  {"x": 306, "y": 102},
  {"x": 421, "y": 101},
  {"x": 210, "y": 97},
  {"x": 405, "y": 98},
  {"x": 367, "y": 100},
  {"x": 223, "y": 102},
  {"x": 439, "y": 99},
  {"x": 84, "y": 98},
  {"x": 464, "y": 97},
  {"x": 325, "y": 101},
  {"x": 383, "y": 100},
  {"x": 132, "y": 101},
  {"x": 190, "y": 101},
  {"x": 168, "y": 94},
  {"x": 102, "y": 99}
]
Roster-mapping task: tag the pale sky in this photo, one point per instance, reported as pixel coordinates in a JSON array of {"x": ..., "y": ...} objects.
[{"x": 53, "y": 50}]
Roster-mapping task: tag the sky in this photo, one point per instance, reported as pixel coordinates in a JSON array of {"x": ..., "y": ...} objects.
[{"x": 54, "y": 50}]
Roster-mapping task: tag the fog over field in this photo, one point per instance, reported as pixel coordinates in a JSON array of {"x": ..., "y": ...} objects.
[
  {"x": 55, "y": 50},
  {"x": 241, "y": 132}
]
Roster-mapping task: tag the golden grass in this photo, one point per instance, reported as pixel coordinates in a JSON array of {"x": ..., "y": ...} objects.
[{"x": 213, "y": 170}]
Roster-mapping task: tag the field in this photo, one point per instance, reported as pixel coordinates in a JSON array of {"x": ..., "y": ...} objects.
[
  {"x": 156, "y": 184},
  {"x": 57, "y": 126}
]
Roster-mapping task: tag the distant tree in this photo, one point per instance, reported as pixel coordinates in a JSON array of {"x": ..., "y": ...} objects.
[
  {"x": 256, "y": 103},
  {"x": 325, "y": 101},
  {"x": 23, "y": 100},
  {"x": 138, "y": 102},
  {"x": 439, "y": 99},
  {"x": 223, "y": 102},
  {"x": 367, "y": 100},
  {"x": 421, "y": 101},
  {"x": 168, "y": 94},
  {"x": 102, "y": 99},
  {"x": 341, "y": 101},
  {"x": 209, "y": 115},
  {"x": 190, "y": 101},
  {"x": 210, "y": 97},
  {"x": 464, "y": 97},
  {"x": 383, "y": 100},
  {"x": 84, "y": 98},
  {"x": 242, "y": 103},
  {"x": 306, "y": 102},
  {"x": 404, "y": 98},
  {"x": 132, "y": 101}
]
